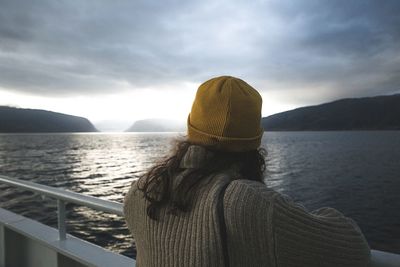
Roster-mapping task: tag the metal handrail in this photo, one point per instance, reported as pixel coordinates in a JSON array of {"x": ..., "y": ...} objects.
[{"x": 63, "y": 196}]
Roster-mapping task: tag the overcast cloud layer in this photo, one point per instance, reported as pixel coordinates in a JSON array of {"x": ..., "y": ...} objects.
[{"x": 328, "y": 49}]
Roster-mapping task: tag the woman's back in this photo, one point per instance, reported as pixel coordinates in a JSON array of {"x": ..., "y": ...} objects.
[
  {"x": 263, "y": 228},
  {"x": 185, "y": 238}
]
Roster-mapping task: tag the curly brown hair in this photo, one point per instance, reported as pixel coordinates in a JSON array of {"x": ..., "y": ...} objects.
[{"x": 156, "y": 184}]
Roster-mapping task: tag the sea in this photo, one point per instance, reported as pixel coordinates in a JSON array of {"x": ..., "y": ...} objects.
[{"x": 356, "y": 172}]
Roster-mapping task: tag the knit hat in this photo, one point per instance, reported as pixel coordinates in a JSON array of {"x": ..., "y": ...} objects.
[{"x": 226, "y": 115}]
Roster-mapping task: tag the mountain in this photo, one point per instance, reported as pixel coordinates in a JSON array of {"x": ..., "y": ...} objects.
[
  {"x": 116, "y": 125},
  {"x": 368, "y": 113},
  {"x": 157, "y": 125},
  {"x": 17, "y": 120}
]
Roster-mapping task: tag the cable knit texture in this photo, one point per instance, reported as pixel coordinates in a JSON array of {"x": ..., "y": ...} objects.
[{"x": 264, "y": 228}]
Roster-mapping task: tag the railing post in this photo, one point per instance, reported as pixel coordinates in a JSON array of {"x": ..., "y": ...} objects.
[
  {"x": 2, "y": 247},
  {"x": 62, "y": 231}
]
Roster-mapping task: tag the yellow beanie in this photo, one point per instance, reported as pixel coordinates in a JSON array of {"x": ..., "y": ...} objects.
[{"x": 226, "y": 115}]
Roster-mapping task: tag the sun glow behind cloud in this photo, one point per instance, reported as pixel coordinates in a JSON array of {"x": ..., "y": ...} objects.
[
  {"x": 122, "y": 107},
  {"x": 125, "y": 107}
]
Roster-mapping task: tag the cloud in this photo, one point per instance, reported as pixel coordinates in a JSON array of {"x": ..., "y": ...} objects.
[{"x": 324, "y": 49}]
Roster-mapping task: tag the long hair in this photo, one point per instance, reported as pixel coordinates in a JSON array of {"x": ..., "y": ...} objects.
[{"x": 156, "y": 184}]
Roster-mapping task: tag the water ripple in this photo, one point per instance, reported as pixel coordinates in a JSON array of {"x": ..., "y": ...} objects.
[{"x": 355, "y": 172}]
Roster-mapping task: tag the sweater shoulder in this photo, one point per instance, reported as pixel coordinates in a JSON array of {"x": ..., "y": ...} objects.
[
  {"x": 251, "y": 188},
  {"x": 249, "y": 199}
]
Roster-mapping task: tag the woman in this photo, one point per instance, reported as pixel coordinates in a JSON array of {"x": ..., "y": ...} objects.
[{"x": 207, "y": 204}]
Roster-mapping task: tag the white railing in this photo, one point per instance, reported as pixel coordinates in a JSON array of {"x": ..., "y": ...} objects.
[
  {"x": 379, "y": 258},
  {"x": 63, "y": 196}
]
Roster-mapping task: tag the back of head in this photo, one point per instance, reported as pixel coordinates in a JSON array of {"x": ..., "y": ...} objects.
[{"x": 226, "y": 115}]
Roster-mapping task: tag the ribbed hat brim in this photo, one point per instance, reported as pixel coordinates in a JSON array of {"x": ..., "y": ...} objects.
[{"x": 224, "y": 143}]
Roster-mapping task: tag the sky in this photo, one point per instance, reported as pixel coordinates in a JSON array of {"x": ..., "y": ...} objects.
[{"x": 116, "y": 62}]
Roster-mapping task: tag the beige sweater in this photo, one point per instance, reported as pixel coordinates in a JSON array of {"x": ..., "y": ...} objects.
[{"x": 264, "y": 228}]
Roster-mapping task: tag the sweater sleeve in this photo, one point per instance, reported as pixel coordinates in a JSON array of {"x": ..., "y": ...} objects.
[{"x": 324, "y": 237}]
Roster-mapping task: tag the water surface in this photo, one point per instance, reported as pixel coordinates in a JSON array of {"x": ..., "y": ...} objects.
[{"x": 356, "y": 172}]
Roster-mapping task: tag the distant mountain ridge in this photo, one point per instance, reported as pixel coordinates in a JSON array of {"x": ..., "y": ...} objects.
[
  {"x": 156, "y": 125},
  {"x": 368, "y": 113},
  {"x": 18, "y": 120}
]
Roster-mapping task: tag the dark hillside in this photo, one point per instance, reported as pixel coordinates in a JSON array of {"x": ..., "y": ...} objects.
[
  {"x": 369, "y": 113},
  {"x": 16, "y": 120}
]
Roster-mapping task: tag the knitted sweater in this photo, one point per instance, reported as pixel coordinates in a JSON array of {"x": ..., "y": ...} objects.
[{"x": 264, "y": 228}]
